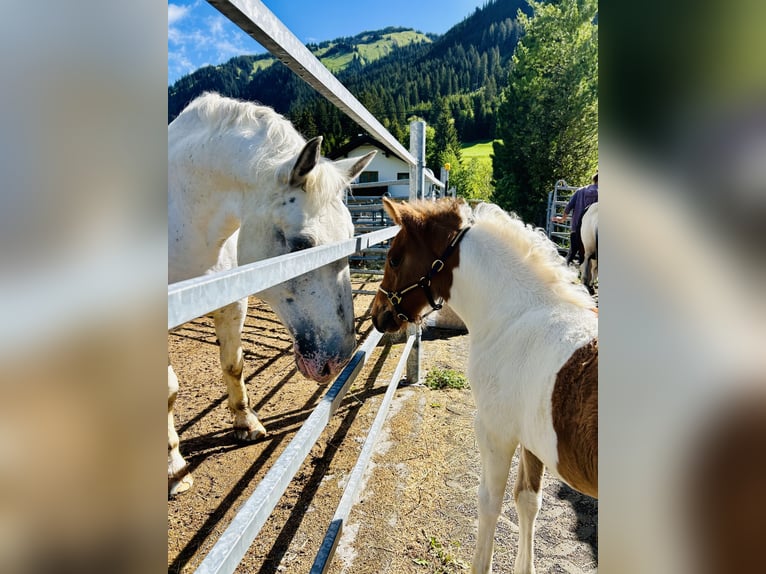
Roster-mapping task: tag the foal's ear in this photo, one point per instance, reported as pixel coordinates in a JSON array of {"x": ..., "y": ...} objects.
[
  {"x": 402, "y": 214},
  {"x": 393, "y": 210},
  {"x": 353, "y": 166},
  {"x": 307, "y": 160}
]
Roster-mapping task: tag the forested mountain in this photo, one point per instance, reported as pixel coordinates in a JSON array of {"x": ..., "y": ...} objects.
[{"x": 396, "y": 73}]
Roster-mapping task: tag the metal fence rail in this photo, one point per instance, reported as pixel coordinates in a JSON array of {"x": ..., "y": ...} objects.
[
  {"x": 260, "y": 23},
  {"x": 331, "y": 539},
  {"x": 196, "y": 297},
  {"x": 250, "y": 518}
]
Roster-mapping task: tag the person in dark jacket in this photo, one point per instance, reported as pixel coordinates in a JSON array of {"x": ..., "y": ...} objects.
[{"x": 578, "y": 204}]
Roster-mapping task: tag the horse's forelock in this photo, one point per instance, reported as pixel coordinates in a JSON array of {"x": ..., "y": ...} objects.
[{"x": 325, "y": 182}]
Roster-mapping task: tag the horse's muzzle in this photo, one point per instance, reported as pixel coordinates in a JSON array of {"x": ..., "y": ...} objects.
[
  {"x": 385, "y": 321},
  {"x": 319, "y": 370},
  {"x": 321, "y": 360}
]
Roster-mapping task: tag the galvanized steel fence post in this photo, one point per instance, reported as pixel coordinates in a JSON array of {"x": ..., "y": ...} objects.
[
  {"x": 418, "y": 151},
  {"x": 417, "y": 186}
]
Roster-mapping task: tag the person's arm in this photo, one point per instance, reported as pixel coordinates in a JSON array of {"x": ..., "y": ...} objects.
[{"x": 567, "y": 210}]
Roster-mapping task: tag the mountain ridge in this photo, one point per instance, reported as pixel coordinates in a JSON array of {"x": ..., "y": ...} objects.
[{"x": 463, "y": 70}]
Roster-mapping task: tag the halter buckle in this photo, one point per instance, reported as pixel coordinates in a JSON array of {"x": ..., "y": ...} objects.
[{"x": 438, "y": 262}]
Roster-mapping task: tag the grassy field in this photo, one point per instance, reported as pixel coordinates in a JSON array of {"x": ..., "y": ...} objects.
[
  {"x": 369, "y": 52},
  {"x": 372, "y": 51},
  {"x": 480, "y": 150}
]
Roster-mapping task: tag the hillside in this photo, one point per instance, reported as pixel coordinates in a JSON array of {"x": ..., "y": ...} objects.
[
  {"x": 232, "y": 77},
  {"x": 396, "y": 73}
]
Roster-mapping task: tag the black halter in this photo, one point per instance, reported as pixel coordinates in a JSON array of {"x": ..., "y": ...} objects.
[{"x": 395, "y": 297}]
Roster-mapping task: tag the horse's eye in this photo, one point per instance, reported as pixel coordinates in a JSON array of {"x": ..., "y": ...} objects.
[{"x": 394, "y": 261}]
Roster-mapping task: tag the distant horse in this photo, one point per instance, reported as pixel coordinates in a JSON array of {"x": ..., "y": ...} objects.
[
  {"x": 589, "y": 235},
  {"x": 243, "y": 185},
  {"x": 533, "y": 364}
]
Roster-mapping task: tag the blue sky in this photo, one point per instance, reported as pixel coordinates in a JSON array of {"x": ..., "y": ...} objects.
[{"x": 200, "y": 35}]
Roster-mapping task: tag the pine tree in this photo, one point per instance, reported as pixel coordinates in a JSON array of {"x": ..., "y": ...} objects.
[
  {"x": 548, "y": 118},
  {"x": 446, "y": 143}
]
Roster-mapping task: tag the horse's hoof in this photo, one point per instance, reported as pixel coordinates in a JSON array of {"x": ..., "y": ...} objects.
[
  {"x": 247, "y": 427},
  {"x": 250, "y": 435},
  {"x": 178, "y": 486}
]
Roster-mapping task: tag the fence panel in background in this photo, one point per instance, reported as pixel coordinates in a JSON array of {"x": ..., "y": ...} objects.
[{"x": 557, "y": 200}]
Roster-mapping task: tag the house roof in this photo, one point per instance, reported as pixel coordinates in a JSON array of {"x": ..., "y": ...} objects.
[{"x": 359, "y": 141}]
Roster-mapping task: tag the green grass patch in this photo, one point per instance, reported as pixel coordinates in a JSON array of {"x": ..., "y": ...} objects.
[
  {"x": 445, "y": 379},
  {"x": 442, "y": 559},
  {"x": 338, "y": 62},
  {"x": 480, "y": 150}
]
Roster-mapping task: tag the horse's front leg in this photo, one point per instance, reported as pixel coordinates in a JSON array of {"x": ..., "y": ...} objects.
[
  {"x": 179, "y": 479},
  {"x": 528, "y": 494},
  {"x": 229, "y": 321},
  {"x": 495, "y": 464}
]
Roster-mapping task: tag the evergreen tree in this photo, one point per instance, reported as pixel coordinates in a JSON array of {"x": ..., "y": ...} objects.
[
  {"x": 548, "y": 117},
  {"x": 446, "y": 145}
]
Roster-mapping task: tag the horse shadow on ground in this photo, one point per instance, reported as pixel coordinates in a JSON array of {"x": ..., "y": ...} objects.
[
  {"x": 350, "y": 408},
  {"x": 280, "y": 428},
  {"x": 586, "y": 509}
]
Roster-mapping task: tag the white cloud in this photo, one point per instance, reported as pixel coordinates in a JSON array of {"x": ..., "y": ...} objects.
[
  {"x": 176, "y": 13},
  {"x": 197, "y": 38}
]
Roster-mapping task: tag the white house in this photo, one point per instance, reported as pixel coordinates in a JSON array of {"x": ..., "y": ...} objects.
[{"x": 386, "y": 166}]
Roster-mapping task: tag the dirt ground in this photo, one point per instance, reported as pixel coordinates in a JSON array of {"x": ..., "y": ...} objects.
[{"x": 417, "y": 510}]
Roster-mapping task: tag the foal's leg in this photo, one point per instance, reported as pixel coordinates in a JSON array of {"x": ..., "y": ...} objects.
[
  {"x": 529, "y": 496},
  {"x": 229, "y": 321},
  {"x": 495, "y": 464},
  {"x": 179, "y": 479}
]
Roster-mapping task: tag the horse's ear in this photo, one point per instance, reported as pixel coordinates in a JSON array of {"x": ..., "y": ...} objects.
[
  {"x": 392, "y": 210},
  {"x": 353, "y": 166},
  {"x": 402, "y": 213},
  {"x": 307, "y": 160}
]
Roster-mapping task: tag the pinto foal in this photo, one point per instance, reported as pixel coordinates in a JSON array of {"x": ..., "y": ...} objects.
[{"x": 533, "y": 362}]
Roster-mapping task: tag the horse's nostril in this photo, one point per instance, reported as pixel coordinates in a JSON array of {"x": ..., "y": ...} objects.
[{"x": 326, "y": 371}]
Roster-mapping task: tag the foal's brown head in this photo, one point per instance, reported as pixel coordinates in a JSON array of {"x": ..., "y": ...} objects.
[{"x": 420, "y": 261}]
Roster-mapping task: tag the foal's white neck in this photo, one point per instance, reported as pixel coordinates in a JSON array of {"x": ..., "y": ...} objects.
[{"x": 492, "y": 282}]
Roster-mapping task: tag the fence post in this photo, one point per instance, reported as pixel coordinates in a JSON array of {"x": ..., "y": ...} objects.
[
  {"x": 417, "y": 186},
  {"x": 418, "y": 151},
  {"x": 413, "y": 360}
]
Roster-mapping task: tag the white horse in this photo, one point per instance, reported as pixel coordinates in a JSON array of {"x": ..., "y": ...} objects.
[
  {"x": 243, "y": 185},
  {"x": 533, "y": 363},
  {"x": 589, "y": 236}
]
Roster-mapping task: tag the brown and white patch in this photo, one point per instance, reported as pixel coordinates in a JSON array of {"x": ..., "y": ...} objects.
[{"x": 575, "y": 419}]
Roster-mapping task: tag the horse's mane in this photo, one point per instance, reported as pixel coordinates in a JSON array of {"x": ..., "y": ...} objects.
[
  {"x": 220, "y": 115},
  {"x": 533, "y": 246}
]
